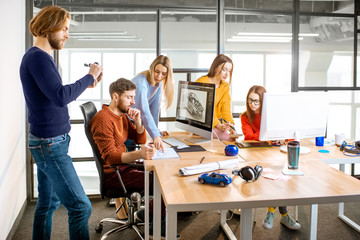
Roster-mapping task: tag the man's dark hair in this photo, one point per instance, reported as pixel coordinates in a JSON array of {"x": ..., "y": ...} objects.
[{"x": 120, "y": 86}]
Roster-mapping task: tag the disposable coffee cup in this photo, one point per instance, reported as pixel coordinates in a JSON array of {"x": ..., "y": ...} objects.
[
  {"x": 319, "y": 141},
  {"x": 339, "y": 139},
  {"x": 293, "y": 150}
]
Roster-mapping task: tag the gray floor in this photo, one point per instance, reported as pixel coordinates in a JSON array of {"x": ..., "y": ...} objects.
[{"x": 205, "y": 225}]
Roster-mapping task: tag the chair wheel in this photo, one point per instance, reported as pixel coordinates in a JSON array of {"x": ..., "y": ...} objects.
[{"x": 99, "y": 228}]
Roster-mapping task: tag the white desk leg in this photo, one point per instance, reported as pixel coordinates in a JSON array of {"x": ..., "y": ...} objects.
[
  {"x": 157, "y": 210},
  {"x": 313, "y": 220},
  {"x": 246, "y": 224},
  {"x": 342, "y": 167},
  {"x": 171, "y": 224},
  {"x": 342, "y": 216},
  {"x": 147, "y": 220},
  {"x": 347, "y": 220},
  {"x": 225, "y": 226}
]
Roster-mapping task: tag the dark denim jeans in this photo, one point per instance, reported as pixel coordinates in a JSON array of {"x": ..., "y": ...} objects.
[{"x": 58, "y": 183}]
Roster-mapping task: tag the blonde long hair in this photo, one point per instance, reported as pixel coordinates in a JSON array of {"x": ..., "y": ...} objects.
[{"x": 168, "y": 85}]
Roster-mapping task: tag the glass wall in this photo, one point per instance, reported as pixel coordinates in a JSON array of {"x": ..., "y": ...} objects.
[
  {"x": 258, "y": 36},
  {"x": 260, "y": 47},
  {"x": 326, "y": 55}
]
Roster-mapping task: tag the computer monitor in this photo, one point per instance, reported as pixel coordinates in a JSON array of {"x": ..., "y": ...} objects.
[
  {"x": 295, "y": 115},
  {"x": 195, "y": 109}
]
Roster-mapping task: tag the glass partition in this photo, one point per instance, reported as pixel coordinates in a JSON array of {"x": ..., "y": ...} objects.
[
  {"x": 185, "y": 35},
  {"x": 340, "y": 6},
  {"x": 260, "y": 47},
  {"x": 280, "y": 5},
  {"x": 326, "y": 52}
]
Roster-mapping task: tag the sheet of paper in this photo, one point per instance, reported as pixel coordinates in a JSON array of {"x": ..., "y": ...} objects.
[
  {"x": 207, "y": 167},
  {"x": 168, "y": 153}
]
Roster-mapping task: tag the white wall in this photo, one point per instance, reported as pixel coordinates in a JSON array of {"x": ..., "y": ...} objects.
[{"x": 12, "y": 114}]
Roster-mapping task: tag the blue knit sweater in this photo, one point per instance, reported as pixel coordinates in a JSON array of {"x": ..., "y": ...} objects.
[
  {"x": 45, "y": 95},
  {"x": 147, "y": 100}
]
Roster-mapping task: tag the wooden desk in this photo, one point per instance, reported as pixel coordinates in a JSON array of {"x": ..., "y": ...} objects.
[
  {"x": 335, "y": 156},
  {"x": 214, "y": 152},
  {"x": 186, "y": 194}
]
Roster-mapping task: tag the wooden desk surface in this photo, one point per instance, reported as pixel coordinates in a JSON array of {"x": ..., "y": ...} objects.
[
  {"x": 320, "y": 184},
  {"x": 274, "y": 153},
  {"x": 214, "y": 152}
]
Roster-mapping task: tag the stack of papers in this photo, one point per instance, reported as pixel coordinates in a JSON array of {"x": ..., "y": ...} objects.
[
  {"x": 207, "y": 167},
  {"x": 168, "y": 153}
]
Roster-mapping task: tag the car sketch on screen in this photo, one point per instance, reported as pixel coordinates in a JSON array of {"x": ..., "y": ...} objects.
[{"x": 192, "y": 105}]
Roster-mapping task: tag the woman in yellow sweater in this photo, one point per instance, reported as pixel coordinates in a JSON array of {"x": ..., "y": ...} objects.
[{"x": 221, "y": 69}]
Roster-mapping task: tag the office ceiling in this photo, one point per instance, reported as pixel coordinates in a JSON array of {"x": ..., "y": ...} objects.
[{"x": 144, "y": 10}]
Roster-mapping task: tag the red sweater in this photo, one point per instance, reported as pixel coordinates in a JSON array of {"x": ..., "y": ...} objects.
[
  {"x": 251, "y": 130},
  {"x": 110, "y": 132}
]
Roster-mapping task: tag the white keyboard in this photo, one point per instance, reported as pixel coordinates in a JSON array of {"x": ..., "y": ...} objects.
[{"x": 175, "y": 143}]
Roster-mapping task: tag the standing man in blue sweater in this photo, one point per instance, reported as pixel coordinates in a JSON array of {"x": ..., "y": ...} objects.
[{"x": 47, "y": 99}]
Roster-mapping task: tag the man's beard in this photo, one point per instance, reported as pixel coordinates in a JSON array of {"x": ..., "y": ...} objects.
[
  {"x": 54, "y": 43},
  {"x": 123, "y": 108}
]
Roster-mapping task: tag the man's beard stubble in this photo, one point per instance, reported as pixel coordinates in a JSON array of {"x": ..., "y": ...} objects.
[{"x": 54, "y": 43}]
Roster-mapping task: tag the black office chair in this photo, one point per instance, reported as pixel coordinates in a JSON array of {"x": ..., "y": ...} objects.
[{"x": 134, "y": 199}]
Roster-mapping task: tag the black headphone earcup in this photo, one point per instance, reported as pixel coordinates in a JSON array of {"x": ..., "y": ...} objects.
[
  {"x": 247, "y": 173},
  {"x": 258, "y": 169}
]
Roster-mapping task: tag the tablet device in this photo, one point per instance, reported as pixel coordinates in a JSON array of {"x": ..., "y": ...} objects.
[{"x": 245, "y": 144}]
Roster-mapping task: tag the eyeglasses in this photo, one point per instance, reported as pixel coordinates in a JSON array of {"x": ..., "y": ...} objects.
[{"x": 255, "y": 101}]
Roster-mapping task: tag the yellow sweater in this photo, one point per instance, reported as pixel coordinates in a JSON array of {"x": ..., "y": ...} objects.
[{"x": 222, "y": 101}]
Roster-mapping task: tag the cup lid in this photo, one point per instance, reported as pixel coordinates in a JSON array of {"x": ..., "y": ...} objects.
[{"x": 294, "y": 143}]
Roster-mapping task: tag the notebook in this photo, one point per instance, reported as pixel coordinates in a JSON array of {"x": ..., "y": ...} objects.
[
  {"x": 191, "y": 148},
  {"x": 245, "y": 144}
]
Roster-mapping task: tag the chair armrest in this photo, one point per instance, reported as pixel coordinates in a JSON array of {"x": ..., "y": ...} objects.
[
  {"x": 139, "y": 166},
  {"x": 133, "y": 147}
]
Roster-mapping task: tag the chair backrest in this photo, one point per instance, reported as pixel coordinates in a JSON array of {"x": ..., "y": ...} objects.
[{"x": 89, "y": 110}]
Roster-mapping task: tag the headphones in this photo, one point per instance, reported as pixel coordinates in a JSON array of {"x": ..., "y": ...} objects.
[
  {"x": 353, "y": 148},
  {"x": 248, "y": 173}
]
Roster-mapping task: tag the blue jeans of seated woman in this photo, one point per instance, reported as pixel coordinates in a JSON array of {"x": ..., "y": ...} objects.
[{"x": 58, "y": 183}]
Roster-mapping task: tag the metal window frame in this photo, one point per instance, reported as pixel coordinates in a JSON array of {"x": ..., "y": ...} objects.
[{"x": 220, "y": 13}]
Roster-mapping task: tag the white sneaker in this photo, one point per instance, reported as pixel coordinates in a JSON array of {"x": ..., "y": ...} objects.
[
  {"x": 290, "y": 223},
  {"x": 268, "y": 220},
  {"x": 236, "y": 211}
]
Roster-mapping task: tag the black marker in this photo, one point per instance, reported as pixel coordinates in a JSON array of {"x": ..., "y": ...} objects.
[
  {"x": 89, "y": 64},
  {"x": 229, "y": 125}
]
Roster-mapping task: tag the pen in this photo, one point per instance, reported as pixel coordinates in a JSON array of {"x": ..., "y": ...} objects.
[
  {"x": 88, "y": 65},
  {"x": 230, "y": 125},
  {"x": 202, "y": 159}
]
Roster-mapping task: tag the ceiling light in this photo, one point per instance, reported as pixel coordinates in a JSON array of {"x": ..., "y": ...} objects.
[
  {"x": 111, "y": 39},
  {"x": 104, "y": 36},
  {"x": 276, "y": 34},
  {"x": 258, "y": 40},
  {"x": 97, "y": 33}
]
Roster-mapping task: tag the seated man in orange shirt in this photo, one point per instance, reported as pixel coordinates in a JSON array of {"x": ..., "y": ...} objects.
[{"x": 111, "y": 127}]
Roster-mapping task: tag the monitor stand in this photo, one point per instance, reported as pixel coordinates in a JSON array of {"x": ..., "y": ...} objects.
[
  {"x": 303, "y": 150},
  {"x": 198, "y": 140}
]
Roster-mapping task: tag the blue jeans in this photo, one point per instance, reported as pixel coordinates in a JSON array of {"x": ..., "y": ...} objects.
[{"x": 58, "y": 183}]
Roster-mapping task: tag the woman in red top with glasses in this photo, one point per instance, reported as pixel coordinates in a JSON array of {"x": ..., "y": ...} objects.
[{"x": 250, "y": 125}]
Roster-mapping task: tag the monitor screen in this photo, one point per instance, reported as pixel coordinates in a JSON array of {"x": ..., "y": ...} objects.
[
  {"x": 295, "y": 115},
  {"x": 195, "y": 108}
]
